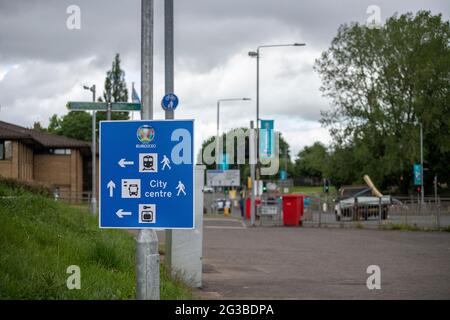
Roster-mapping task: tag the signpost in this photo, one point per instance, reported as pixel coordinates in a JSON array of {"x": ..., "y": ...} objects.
[
  {"x": 223, "y": 178},
  {"x": 146, "y": 174},
  {"x": 103, "y": 106},
  {"x": 169, "y": 102}
]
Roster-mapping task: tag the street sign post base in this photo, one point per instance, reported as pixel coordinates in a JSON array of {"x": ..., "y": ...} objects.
[{"x": 147, "y": 265}]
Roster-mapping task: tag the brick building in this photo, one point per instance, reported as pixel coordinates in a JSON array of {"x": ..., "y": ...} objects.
[{"x": 53, "y": 160}]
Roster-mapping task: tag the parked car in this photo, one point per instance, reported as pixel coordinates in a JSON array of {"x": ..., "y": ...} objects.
[
  {"x": 208, "y": 189},
  {"x": 362, "y": 207}
]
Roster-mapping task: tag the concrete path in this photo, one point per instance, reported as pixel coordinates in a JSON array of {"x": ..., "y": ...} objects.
[{"x": 312, "y": 263}]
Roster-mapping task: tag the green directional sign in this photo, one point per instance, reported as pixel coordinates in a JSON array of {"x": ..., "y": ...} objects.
[{"x": 103, "y": 106}]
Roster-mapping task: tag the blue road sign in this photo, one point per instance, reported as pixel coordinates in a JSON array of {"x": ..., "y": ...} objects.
[
  {"x": 266, "y": 139},
  {"x": 417, "y": 174},
  {"x": 147, "y": 174},
  {"x": 169, "y": 101}
]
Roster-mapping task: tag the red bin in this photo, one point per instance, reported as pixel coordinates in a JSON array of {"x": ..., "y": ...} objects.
[{"x": 292, "y": 209}]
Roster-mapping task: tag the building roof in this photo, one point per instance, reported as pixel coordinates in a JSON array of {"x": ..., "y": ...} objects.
[{"x": 13, "y": 132}]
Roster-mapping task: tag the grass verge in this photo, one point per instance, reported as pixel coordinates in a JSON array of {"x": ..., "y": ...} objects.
[
  {"x": 40, "y": 239},
  {"x": 310, "y": 190}
]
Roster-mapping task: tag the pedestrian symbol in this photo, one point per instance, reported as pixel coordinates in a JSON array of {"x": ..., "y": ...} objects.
[
  {"x": 166, "y": 162},
  {"x": 169, "y": 101},
  {"x": 180, "y": 188}
]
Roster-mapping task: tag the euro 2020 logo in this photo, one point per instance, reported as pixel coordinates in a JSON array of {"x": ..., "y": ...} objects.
[{"x": 145, "y": 134}]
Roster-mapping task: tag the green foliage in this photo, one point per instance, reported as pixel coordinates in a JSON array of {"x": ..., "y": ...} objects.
[
  {"x": 115, "y": 85},
  {"x": 13, "y": 187},
  {"x": 40, "y": 238},
  {"x": 312, "y": 161},
  {"x": 75, "y": 124},
  {"x": 383, "y": 83}
]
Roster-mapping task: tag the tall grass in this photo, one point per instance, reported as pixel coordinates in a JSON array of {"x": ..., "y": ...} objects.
[{"x": 40, "y": 239}]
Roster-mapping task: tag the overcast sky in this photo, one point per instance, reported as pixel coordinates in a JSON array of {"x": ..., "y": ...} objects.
[{"x": 43, "y": 64}]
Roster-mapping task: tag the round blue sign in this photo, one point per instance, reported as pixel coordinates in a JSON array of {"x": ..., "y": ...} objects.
[{"x": 169, "y": 101}]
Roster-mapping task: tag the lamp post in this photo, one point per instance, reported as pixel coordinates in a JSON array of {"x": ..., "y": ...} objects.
[
  {"x": 256, "y": 55},
  {"x": 94, "y": 154},
  {"x": 218, "y": 117}
]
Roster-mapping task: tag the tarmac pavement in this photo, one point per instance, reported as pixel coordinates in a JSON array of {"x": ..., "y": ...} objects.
[{"x": 321, "y": 263}]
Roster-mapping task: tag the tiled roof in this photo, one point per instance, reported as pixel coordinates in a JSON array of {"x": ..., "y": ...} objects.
[{"x": 14, "y": 132}]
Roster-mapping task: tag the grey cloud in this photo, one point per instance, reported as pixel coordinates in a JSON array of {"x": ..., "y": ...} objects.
[{"x": 53, "y": 61}]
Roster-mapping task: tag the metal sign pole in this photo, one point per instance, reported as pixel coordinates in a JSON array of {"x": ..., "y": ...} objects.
[
  {"x": 147, "y": 256},
  {"x": 94, "y": 166},
  {"x": 169, "y": 88},
  {"x": 94, "y": 158}
]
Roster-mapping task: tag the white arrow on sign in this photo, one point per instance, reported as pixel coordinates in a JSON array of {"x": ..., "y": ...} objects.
[
  {"x": 111, "y": 185},
  {"x": 124, "y": 163},
  {"x": 120, "y": 213}
]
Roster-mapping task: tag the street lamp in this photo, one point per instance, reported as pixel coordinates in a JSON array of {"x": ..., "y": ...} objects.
[
  {"x": 255, "y": 54},
  {"x": 218, "y": 115},
  {"x": 94, "y": 154}
]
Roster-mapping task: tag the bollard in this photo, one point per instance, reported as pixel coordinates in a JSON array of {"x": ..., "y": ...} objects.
[{"x": 147, "y": 265}]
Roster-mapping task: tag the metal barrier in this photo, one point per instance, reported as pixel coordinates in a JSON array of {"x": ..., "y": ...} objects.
[
  {"x": 269, "y": 211},
  {"x": 81, "y": 198},
  {"x": 434, "y": 213}
]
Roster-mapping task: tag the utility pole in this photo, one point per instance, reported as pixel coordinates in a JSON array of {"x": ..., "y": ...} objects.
[
  {"x": 94, "y": 154},
  {"x": 169, "y": 88},
  {"x": 169, "y": 52},
  {"x": 147, "y": 255},
  {"x": 94, "y": 158},
  {"x": 108, "y": 106}
]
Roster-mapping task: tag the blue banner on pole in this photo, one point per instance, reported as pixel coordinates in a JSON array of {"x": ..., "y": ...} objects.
[
  {"x": 417, "y": 174},
  {"x": 266, "y": 139},
  {"x": 224, "y": 163}
]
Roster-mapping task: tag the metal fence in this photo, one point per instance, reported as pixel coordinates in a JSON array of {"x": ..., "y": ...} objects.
[
  {"x": 434, "y": 213},
  {"x": 79, "y": 198}
]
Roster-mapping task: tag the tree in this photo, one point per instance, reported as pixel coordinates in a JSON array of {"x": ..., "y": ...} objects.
[
  {"x": 38, "y": 127},
  {"x": 75, "y": 125},
  {"x": 115, "y": 90},
  {"x": 312, "y": 161},
  {"x": 115, "y": 85},
  {"x": 382, "y": 83}
]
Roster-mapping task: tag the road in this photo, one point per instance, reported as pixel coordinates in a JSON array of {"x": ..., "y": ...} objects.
[{"x": 326, "y": 263}]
